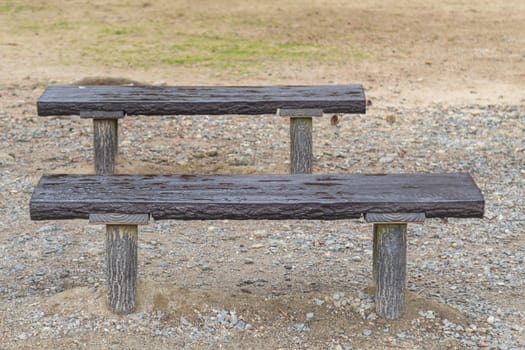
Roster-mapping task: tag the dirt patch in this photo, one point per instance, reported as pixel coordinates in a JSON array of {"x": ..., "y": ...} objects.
[{"x": 411, "y": 52}]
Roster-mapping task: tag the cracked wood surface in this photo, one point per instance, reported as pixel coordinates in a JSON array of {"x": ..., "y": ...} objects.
[
  {"x": 198, "y": 100},
  {"x": 243, "y": 197}
]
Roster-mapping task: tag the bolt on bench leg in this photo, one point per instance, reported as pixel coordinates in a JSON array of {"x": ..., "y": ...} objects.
[{"x": 389, "y": 266}]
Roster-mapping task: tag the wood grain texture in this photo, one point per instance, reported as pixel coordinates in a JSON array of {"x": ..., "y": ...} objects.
[
  {"x": 301, "y": 150},
  {"x": 102, "y": 114},
  {"x": 119, "y": 219},
  {"x": 196, "y": 100},
  {"x": 300, "y": 113},
  {"x": 395, "y": 217},
  {"x": 389, "y": 269},
  {"x": 105, "y": 144},
  {"x": 242, "y": 197},
  {"x": 121, "y": 261}
]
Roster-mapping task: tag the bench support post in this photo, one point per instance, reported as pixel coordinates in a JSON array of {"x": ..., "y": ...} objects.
[
  {"x": 105, "y": 144},
  {"x": 105, "y": 139},
  {"x": 389, "y": 266},
  {"x": 301, "y": 150},
  {"x": 121, "y": 258},
  {"x": 389, "y": 261}
]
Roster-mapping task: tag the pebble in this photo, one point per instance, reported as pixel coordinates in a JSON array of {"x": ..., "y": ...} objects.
[
  {"x": 481, "y": 261},
  {"x": 299, "y": 327}
]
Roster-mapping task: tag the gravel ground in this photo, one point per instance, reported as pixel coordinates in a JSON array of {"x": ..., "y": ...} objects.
[{"x": 267, "y": 284}]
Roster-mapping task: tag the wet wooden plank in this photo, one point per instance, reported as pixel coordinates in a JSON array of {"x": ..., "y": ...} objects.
[
  {"x": 197, "y": 100},
  {"x": 242, "y": 197}
]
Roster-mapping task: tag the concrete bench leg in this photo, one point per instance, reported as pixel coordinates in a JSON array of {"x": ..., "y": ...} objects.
[
  {"x": 121, "y": 258},
  {"x": 389, "y": 268},
  {"x": 390, "y": 260},
  {"x": 105, "y": 142},
  {"x": 105, "y": 138},
  {"x": 301, "y": 150}
]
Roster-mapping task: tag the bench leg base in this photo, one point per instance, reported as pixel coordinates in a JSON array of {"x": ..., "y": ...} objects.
[
  {"x": 121, "y": 259},
  {"x": 389, "y": 269}
]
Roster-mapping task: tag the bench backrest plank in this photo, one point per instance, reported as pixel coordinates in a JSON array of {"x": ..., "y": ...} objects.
[
  {"x": 199, "y": 100},
  {"x": 202, "y": 197}
]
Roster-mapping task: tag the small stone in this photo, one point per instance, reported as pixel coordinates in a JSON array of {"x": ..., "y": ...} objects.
[
  {"x": 491, "y": 320},
  {"x": 318, "y": 302},
  {"x": 372, "y": 316},
  {"x": 299, "y": 327},
  {"x": 309, "y": 315},
  {"x": 338, "y": 295},
  {"x": 185, "y": 322},
  {"x": 367, "y": 332}
]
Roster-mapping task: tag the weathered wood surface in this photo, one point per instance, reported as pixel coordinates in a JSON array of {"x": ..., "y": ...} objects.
[
  {"x": 102, "y": 114},
  {"x": 121, "y": 260},
  {"x": 105, "y": 144},
  {"x": 197, "y": 100},
  {"x": 300, "y": 112},
  {"x": 119, "y": 219},
  {"x": 395, "y": 218},
  {"x": 201, "y": 197},
  {"x": 389, "y": 268},
  {"x": 301, "y": 150}
]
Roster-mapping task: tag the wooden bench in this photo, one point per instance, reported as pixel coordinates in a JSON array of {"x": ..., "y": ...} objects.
[
  {"x": 106, "y": 104},
  {"x": 389, "y": 201}
]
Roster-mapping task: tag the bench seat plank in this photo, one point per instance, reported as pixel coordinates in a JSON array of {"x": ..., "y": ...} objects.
[
  {"x": 242, "y": 197},
  {"x": 199, "y": 100}
]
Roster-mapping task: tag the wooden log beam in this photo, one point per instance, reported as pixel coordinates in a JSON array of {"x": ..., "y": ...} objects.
[
  {"x": 255, "y": 197},
  {"x": 199, "y": 100}
]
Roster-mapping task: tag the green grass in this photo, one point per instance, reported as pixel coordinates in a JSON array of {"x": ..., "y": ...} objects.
[
  {"x": 202, "y": 50},
  {"x": 232, "y": 43}
]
